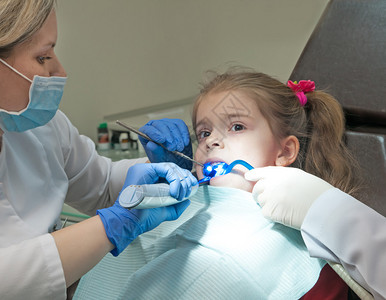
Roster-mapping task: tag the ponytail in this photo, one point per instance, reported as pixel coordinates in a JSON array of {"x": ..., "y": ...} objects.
[{"x": 326, "y": 154}]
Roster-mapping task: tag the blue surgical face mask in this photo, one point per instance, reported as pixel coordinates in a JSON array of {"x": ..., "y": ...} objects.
[{"x": 45, "y": 94}]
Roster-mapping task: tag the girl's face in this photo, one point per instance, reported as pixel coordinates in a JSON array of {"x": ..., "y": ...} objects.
[
  {"x": 35, "y": 57},
  {"x": 229, "y": 126}
]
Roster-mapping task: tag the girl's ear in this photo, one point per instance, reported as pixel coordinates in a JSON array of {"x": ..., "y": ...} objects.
[{"x": 290, "y": 149}]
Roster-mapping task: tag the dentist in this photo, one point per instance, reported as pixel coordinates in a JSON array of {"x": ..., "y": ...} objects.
[{"x": 44, "y": 162}]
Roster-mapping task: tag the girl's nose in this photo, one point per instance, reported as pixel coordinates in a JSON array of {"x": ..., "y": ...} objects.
[{"x": 214, "y": 142}]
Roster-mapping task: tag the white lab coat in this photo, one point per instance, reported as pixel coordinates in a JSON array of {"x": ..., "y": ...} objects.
[
  {"x": 341, "y": 229},
  {"x": 40, "y": 169}
]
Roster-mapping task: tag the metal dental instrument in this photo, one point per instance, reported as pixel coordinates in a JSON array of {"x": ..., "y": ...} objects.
[{"x": 151, "y": 140}]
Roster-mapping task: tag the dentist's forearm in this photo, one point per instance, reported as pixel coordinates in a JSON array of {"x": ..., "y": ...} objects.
[{"x": 81, "y": 246}]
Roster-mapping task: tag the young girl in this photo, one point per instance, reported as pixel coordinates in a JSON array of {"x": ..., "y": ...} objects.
[
  {"x": 253, "y": 117},
  {"x": 222, "y": 247}
]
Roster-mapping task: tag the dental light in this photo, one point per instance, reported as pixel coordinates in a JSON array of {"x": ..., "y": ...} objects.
[{"x": 211, "y": 169}]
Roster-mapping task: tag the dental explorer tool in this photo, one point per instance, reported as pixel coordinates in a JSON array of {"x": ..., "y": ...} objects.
[{"x": 151, "y": 140}]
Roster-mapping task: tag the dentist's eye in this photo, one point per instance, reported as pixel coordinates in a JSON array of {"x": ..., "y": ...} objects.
[
  {"x": 42, "y": 59},
  {"x": 237, "y": 127}
]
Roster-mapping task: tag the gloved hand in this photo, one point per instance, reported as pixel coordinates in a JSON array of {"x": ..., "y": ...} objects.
[
  {"x": 180, "y": 180},
  {"x": 285, "y": 194},
  {"x": 122, "y": 226},
  {"x": 174, "y": 135}
]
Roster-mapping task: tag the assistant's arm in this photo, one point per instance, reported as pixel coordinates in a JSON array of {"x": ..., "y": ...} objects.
[
  {"x": 335, "y": 226},
  {"x": 341, "y": 229}
]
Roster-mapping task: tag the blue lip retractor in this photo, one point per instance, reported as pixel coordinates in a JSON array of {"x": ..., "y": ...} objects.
[{"x": 211, "y": 170}]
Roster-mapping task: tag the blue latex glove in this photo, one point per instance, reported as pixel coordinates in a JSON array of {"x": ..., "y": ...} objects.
[
  {"x": 122, "y": 226},
  {"x": 174, "y": 135}
]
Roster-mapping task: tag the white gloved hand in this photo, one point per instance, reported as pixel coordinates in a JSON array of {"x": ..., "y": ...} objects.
[{"x": 285, "y": 194}]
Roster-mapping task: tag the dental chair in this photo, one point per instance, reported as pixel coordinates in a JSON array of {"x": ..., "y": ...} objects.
[{"x": 346, "y": 56}]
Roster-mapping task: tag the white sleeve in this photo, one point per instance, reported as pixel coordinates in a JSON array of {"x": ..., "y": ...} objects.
[
  {"x": 341, "y": 229},
  {"x": 32, "y": 270},
  {"x": 94, "y": 181}
]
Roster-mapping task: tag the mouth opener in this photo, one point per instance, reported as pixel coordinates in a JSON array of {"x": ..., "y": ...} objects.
[{"x": 211, "y": 170}]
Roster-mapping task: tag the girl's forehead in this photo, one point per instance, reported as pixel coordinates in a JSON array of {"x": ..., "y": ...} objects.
[
  {"x": 227, "y": 103},
  {"x": 225, "y": 107}
]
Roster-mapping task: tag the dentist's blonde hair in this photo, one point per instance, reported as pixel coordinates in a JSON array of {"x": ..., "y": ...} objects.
[
  {"x": 319, "y": 125},
  {"x": 20, "y": 20}
]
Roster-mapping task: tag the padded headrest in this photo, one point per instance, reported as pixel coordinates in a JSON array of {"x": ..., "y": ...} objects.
[
  {"x": 370, "y": 150},
  {"x": 346, "y": 55}
]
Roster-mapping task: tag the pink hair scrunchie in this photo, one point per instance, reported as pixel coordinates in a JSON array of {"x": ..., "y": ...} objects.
[{"x": 304, "y": 86}]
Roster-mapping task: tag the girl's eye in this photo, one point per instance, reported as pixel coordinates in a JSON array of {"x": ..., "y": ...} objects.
[
  {"x": 203, "y": 134},
  {"x": 41, "y": 59},
  {"x": 237, "y": 127}
]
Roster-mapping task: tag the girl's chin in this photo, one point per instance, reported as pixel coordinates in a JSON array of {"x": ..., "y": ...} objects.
[{"x": 233, "y": 181}]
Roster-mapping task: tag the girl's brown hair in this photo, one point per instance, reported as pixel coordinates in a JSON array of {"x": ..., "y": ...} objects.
[{"x": 319, "y": 125}]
